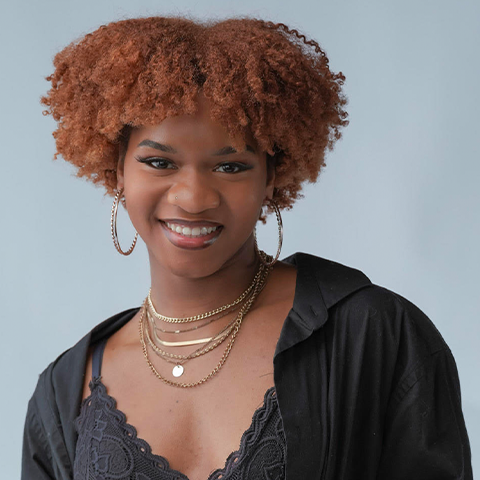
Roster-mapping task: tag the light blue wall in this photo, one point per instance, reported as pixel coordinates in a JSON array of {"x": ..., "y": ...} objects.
[{"x": 398, "y": 200}]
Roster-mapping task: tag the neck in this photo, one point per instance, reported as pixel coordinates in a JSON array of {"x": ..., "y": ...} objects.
[{"x": 183, "y": 290}]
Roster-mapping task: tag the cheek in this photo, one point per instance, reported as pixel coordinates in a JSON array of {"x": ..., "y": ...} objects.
[
  {"x": 245, "y": 209},
  {"x": 141, "y": 199}
]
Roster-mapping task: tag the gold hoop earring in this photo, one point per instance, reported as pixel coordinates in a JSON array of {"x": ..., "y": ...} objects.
[
  {"x": 263, "y": 256},
  {"x": 113, "y": 225}
]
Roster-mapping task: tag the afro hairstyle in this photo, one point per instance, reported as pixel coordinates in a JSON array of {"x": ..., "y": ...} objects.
[{"x": 256, "y": 74}]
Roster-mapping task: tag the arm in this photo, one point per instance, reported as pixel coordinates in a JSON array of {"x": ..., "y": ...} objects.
[
  {"x": 425, "y": 436},
  {"x": 36, "y": 454}
]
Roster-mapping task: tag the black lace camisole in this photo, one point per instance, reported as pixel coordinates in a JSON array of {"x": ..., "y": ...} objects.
[{"x": 108, "y": 447}]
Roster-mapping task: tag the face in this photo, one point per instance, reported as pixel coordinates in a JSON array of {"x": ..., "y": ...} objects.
[{"x": 186, "y": 173}]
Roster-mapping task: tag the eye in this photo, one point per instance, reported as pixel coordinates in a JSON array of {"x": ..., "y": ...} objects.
[
  {"x": 159, "y": 163},
  {"x": 239, "y": 166},
  {"x": 155, "y": 162}
]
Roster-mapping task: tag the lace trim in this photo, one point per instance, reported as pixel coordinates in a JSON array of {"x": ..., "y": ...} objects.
[
  {"x": 248, "y": 438},
  {"x": 143, "y": 446}
]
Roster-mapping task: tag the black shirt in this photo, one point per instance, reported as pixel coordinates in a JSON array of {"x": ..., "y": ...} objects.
[{"x": 366, "y": 385}]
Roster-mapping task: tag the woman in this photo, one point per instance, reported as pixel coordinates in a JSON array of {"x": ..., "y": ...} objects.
[{"x": 237, "y": 365}]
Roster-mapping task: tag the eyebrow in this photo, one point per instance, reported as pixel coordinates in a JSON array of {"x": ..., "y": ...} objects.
[
  {"x": 157, "y": 146},
  {"x": 169, "y": 149},
  {"x": 229, "y": 150}
]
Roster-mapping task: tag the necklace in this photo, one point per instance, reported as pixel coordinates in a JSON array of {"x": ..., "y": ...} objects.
[
  {"x": 160, "y": 329},
  {"x": 259, "y": 283},
  {"x": 211, "y": 343},
  {"x": 185, "y": 343},
  {"x": 155, "y": 329},
  {"x": 202, "y": 315}
]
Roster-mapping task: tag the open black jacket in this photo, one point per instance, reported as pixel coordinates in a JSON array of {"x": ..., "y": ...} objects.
[{"x": 367, "y": 387}]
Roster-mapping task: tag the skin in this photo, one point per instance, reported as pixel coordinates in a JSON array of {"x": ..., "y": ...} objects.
[{"x": 196, "y": 429}]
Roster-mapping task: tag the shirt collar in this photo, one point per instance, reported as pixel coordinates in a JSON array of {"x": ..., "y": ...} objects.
[{"x": 321, "y": 283}]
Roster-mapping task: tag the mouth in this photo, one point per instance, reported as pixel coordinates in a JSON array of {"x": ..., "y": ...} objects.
[{"x": 189, "y": 241}]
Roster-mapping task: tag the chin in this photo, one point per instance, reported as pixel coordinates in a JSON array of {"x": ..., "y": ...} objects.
[{"x": 187, "y": 263}]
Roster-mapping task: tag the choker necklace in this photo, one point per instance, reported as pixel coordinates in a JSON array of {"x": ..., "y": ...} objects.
[
  {"x": 201, "y": 316},
  {"x": 185, "y": 330}
]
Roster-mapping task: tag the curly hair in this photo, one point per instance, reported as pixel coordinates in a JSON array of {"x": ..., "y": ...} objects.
[{"x": 257, "y": 75}]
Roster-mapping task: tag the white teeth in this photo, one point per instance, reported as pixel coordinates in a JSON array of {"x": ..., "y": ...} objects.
[{"x": 191, "y": 232}]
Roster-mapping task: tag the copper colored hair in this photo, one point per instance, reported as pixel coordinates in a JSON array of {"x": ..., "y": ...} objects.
[{"x": 257, "y": 75}]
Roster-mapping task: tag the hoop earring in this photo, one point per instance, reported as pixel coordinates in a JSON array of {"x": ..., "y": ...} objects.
[
  {"x": 113, "y": 225},
  {"x": 263, "y": 256}
]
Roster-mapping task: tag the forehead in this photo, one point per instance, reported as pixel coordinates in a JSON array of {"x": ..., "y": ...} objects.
[{"x": 198, "y": 131}]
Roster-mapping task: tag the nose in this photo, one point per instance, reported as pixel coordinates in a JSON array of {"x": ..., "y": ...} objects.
[{"x": 194, "y": 194}]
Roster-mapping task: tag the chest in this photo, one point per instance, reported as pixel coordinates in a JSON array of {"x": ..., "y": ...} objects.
[{"x": 196, "y": 429}]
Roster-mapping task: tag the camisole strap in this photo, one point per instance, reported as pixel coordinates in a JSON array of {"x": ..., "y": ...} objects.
[{"x": 97, "y": 357}]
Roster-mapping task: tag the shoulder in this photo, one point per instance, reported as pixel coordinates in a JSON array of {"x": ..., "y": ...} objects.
[
  {"x": 376, "y": 334},
  {"x": 49, "y": 430},
  {"x": 381, "y": 335},
  {"x": 60, "y": 381},
  {"x": 390, "y": 317},
  {"x": 353, "y": 300},
  {"x": 363, "y": 316}
]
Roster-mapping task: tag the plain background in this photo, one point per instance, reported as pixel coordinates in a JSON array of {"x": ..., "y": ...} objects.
[{"x": 399, "y": 198}]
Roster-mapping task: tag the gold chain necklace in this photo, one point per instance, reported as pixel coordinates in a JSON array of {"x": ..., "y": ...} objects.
[
  {"x": 211, "y": 344},
  {"x": 262, "y": 277},
  {"x": 185, "y": 330},
  {"x": 153, "y": 323},
  {"x": 202, "y": 315}
]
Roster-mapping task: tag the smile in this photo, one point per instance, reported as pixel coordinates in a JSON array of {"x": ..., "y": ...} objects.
[
  {"x": 190, "y": 232},
  {"x": 191, "y": 238}
]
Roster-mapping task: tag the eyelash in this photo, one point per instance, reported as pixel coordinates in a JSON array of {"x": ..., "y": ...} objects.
[{"x": 149, "y": 161}]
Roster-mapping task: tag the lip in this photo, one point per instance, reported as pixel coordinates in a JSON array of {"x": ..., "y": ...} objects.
[
  {"x": 190, "y": 223},
  {"x": 191, "y": 243}
]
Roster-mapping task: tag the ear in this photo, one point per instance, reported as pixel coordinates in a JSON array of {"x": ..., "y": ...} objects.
[
  {"x": 120, "y": 173},
  {"x": 270, "y": 177},
  {"x": 124, "y": 140}
]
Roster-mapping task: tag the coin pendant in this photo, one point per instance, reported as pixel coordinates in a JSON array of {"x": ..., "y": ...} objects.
[{"x": 177, "y": 371}]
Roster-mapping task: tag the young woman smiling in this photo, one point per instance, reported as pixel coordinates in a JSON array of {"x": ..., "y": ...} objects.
[{"x": 237, "y": 365}]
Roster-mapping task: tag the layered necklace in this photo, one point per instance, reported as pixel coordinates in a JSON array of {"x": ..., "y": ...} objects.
[{"x": 152, "y": 324}]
